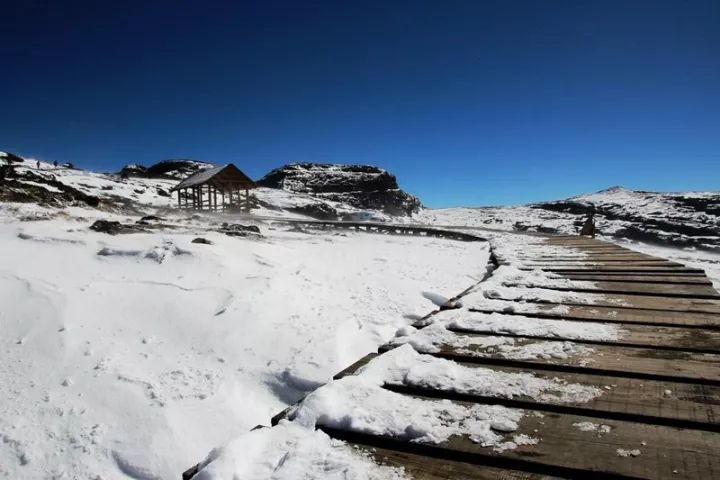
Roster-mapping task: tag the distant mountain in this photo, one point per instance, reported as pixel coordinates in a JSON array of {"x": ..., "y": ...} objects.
[{"x": 362, "y": 186}]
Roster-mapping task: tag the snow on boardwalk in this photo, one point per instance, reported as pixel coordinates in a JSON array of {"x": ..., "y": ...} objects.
[{"x": 576, "y": 358}]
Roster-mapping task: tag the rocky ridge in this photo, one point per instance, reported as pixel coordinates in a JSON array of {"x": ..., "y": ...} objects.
[
  {"x": 176, "y": 169},
  {"x": 361, "y": 186}
]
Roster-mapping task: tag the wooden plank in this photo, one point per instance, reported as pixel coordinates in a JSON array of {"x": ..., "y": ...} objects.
[
  {"x": 675, "y": 404},
  {"x": 650, "y": 336},
  {"x": 620, "y": 269},
  {"x": 590, "y": 255},
  {"x": 565, "y": 450},
  {"x": 421, "y": 467},
  {"x": 610, "y": 314},
  {"x": 613, "y": 360},
  {"x": 648, "y": 278},
  {"x": 655, "y": 289},
  {"x": 626, "y": 263},
  {"x": 647, "y": 302},
  {"x": 585, "y": 258},
  {"x": 596, "y": 253}
]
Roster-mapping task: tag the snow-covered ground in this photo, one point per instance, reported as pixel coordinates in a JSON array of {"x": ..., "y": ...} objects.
[{"x": 134, "y": 355}]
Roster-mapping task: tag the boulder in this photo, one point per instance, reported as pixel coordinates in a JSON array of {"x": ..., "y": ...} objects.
[
  {"x": 113, "y": 228},
  {"x": 201, "y": 240}
]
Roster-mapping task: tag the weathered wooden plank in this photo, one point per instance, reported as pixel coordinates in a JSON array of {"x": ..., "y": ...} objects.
[
  {"x": 590, "y": 257},
  {"x": 646, "y": 278},
  {"x": 641, "y": 400},
  {"x": 621, "y": 269},
  {"x": 634, "y": 362},
  {"x": 355, "y": 366},
  {"x": 655, "y": 289},
  {"x": 650, "y": 336},
  {"x": 594, "y": 259},
  {"x": 421, "y": 467},
  {"x": 565, "y": 450},
  {"x": 648, "y": 302},
  {"x": 610, "y": 314},
  {"x": 627, "y": 263}
]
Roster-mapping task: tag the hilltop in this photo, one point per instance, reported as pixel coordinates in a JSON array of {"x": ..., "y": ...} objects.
[{"x": 681, "y": 219}]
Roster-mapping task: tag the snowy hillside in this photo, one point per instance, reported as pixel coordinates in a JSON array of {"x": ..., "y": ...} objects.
[
  {"x": 688, "y": 219},
  {"x": 138, "y": 189}
]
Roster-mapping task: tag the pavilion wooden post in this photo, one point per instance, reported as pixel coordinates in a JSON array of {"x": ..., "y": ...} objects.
[{"x": 247, "y": 200}]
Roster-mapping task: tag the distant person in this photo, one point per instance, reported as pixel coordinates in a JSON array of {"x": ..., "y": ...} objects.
[
  {"x": 55, "y": 163},
  {"x": 37, "y": 164},
  {"x": 588, "y": 227}
]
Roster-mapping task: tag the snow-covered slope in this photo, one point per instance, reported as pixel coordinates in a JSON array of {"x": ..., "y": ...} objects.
[
  {"x": 138, "y": 189},
  {"x": 687, "y": 219}
]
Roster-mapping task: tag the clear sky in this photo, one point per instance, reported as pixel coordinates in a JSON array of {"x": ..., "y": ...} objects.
[{"x": 467, "y": 102}]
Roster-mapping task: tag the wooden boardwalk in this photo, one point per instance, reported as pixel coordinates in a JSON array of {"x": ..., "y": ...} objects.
[
  {"x": 661, "y": 379},
  {"x": 660, "y": 406}
]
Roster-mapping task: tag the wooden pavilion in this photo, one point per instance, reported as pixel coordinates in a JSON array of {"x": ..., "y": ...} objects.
[{"x": 201, "y": 190}]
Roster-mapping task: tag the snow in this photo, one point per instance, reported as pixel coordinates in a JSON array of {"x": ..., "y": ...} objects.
[
  {"x": 358, "y": 403},
  {"x": 404, "y": 366},
  {"x": 137, "y": 354},
  {"x": 291, "y": 452},
  {"x": 134, "y": 355},
  {"x": 708, "y": 261},
  {"x": 431, "y": 339},
  {"x": 598, "y": 428},
  {"x": 527, "y": 326}
]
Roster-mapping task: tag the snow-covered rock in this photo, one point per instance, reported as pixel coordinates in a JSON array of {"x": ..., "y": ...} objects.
[
  {"x": 176, "y": 168},
  {"x": 362, "y": 186}
]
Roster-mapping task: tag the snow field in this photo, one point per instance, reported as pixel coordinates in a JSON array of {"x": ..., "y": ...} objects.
[{"x": 135, "y": 355}]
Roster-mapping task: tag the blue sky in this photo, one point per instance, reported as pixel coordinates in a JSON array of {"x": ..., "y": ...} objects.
[{"x": 467, "y": 102}]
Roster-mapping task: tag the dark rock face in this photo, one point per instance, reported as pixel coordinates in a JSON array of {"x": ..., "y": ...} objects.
[
  {"x": 177, "y": 169},
  {"x": 361, "y": 186}
]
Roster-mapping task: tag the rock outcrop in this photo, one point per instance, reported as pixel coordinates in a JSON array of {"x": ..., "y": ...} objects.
[
  {"x": 362, "y": 186},
  {"x": 176, "y": 168}
]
